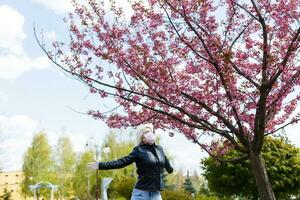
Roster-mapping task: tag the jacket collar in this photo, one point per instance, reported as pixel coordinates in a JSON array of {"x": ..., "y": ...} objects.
[{"x": 148, "y": 145}]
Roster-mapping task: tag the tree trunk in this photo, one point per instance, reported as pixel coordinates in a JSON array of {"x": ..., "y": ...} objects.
[{"x": 261, "y": 177}]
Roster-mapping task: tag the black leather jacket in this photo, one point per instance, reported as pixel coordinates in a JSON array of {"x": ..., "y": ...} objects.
[{"x": 150, "y": 161}]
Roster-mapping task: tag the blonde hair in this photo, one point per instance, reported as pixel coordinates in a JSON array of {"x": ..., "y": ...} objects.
[{"x": 141, "y": 130}]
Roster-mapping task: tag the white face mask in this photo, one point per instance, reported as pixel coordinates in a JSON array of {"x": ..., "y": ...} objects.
[{"x": 149, "y": 137}]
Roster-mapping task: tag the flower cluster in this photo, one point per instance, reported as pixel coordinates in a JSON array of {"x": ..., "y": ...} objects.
[{"x": 184, "y": 66}]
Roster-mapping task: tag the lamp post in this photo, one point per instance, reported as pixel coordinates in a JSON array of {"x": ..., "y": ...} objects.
[
  {"x": 88, "y": 184},
  {"x": 30, "y": 178},
  {"x": 97, "y": 153}
]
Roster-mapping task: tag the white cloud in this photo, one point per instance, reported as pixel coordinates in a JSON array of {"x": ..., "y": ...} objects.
[
  {"x": 3, "y": 97},
  {"x": 26, "y": 123},
  {"x": 51, "y": 35},
  {"x": 13, "y": 66},
  {"x": 58, "y": 6},
  {"x": 11, "y": 33},
  {"x": 17, "y": 133},
  {"x": 293, "y": 131},
  {"x": 65, "y": 6},
  {"x": 13, "y": 59},
  {"x": 293, "y": 134},
  {"x": 128, "y": 12},
  {"x": 78, "y": 140},
  {"x": 185, "y": 154}
]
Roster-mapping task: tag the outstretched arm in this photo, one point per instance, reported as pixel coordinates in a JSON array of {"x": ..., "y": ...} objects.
[{"x": 116, "y": 164}]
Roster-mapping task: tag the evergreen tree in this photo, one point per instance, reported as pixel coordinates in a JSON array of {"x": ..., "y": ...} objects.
[
  {"x": 164, "y": 179},
  {"x": 65, "y": 159},
  {"x": 83, "y": 179},
  {"x": 188, "y": 185},
  {"x": 38, "y": 165},
  {"x": 166, "y": 182}
]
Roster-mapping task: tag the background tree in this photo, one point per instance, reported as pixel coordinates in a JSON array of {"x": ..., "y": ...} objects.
[
  {"x": 38, "y": 165},
  {"x": 226, "y": 68},
  {"x": 235, "y": 180},
  {"x": 2, "y": 139},
  {"x": 175, "y": 195},
  {"x": 65, "y": 159},
  {"x": 119, "y": 147},
  {"x": 188, "y": 185},
  {"x": 121, "y": 186},
  {"x": 199, "y": 183},
  {"x": 182, "y": 195},
  {"x": 165, "y": 181},
  {"x": 83, "y": 179},
  {"x": 177, "y": 179},
  {"x": 6, "y": 195}
]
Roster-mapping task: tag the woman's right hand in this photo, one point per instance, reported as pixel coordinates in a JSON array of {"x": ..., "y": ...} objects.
[{"x": 93, "y": 165}]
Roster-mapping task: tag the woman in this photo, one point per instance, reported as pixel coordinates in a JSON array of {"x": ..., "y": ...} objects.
[{"x": 150, "y": 161}]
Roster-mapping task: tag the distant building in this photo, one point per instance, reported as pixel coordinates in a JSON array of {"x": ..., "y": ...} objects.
[{"x": 12, "y": 182}]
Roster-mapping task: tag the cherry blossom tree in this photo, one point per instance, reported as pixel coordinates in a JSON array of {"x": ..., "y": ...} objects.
[{"x": 226, "y": 68}]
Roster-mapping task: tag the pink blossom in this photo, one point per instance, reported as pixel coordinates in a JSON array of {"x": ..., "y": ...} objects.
[{"x": 183, "y": 70}]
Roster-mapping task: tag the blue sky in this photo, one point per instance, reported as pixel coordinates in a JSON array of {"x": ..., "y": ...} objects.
[{"x": 35, "y": 95}]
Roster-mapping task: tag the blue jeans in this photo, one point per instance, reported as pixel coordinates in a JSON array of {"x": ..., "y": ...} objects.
[{"x": 138, "y": 194}]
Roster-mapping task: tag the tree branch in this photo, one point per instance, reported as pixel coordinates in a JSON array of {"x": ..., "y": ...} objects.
[
  {"x": 240, "y": 34},
  {"x": 290, "y": 49},
  {"x": 282, "y": 127},
  {"x": 247, "y": 11},
  {"x": 221, "y": 160},
  {"x": 219, "y": 116},
  {"x": 182, "y": 39},
  {"x": 238, "y": 71}
]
